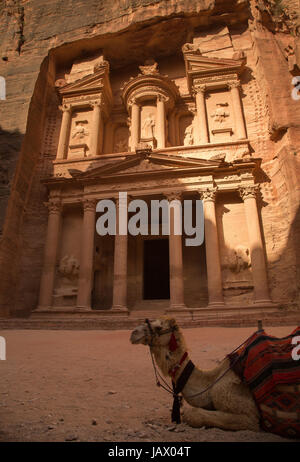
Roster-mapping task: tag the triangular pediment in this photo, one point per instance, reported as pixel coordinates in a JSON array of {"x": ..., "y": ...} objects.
[{"x": 141, "y": 164}]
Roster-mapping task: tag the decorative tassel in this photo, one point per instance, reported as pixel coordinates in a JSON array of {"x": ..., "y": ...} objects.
[{"x": 173, "y": 345}]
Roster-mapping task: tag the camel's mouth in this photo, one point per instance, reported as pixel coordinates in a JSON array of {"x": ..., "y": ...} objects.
[{"x": 138, "y": 336}]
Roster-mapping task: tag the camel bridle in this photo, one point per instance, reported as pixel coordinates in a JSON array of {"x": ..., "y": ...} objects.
[{"x": 153, "y": 334}]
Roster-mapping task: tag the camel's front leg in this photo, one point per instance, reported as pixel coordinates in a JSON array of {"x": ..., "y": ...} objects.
[{"x": 197, "y": 417}]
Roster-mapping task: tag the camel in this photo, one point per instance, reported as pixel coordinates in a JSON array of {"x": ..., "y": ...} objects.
[{"x": 228, "y": 404}]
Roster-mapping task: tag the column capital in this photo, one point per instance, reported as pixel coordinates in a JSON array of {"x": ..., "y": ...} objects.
[
  {"x": 162, "y": 98},
  {"x": 234, "y": 84},
  {"x": 54, "y": 205},
  {"x": 89, "y": 204},
  {"x": 133, "y": 101},
  {"x": 65, "y": 108},
  {"x": 97, "y": 103},
  {"x": 174, "y": 195},
  {"x": 199, "y": 88},
  {"x": 249, "y": 192},
  {"x": 209, "y": 194}
]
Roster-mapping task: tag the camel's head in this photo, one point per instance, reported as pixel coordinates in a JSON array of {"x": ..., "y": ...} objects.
[{"x": 155, "y": 333}]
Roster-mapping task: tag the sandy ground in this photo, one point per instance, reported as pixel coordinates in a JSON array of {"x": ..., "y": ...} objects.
[{"x": 96, "y": 386}]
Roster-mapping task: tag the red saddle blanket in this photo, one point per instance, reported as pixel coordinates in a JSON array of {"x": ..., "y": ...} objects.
[{"x": 267, "y": 366}]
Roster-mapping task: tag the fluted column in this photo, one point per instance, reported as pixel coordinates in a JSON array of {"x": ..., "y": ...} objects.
[
  {"x": 161, "y": 122},
  {"x": 135, "y": 124},
  {"x": 50, "y": 253},
  {"x": 240, "y": 128},
  {"x": 214, "y": 275},
  {"x": 120, "y": 258},
  {"x": 175, "y": 253},
  {"x": 85, "y": 281},
  {"x": 96, "y": 142},
  {"x": 64, "y": 132},
  {"x": 258, "y": 264},
  {"x": 201, "y": 127}
]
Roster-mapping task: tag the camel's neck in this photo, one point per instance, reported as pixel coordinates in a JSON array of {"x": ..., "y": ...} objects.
[
  {"x": 171, "y": 363},
  {"x": 199, "y": 379}
]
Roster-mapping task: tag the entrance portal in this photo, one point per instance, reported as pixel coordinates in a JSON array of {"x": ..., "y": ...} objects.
[{"x": 156, "y": 269}]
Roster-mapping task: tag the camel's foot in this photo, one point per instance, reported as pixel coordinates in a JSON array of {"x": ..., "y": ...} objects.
[{"x": 197, "y": 417}]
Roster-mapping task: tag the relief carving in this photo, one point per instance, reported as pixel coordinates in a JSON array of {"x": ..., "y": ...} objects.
[
  {"x": 238, "y": 259},
  {"x": 219, "y": 116},
  {"x": 149, "y": 68},
  {"x": 188, "y": 136},
  {"x": 80, "y": 132}
]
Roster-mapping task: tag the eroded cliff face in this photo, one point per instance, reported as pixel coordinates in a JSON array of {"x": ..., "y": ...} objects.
[{"x": 38, "y": 38}]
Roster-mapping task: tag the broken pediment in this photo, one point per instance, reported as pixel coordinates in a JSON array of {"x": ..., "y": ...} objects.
[
  {"x": 91, "y": 85},
  {"x": 203, "y": 67}
]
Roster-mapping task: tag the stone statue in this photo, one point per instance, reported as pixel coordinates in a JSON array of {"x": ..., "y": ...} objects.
[
  {"x": 148, "y": 127},
  {"x": 188, "y": 136}
]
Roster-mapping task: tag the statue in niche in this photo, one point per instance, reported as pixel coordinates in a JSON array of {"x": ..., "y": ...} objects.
[
  {"x": 148, "y": 127},
  {"x": 238, "y": 259},
  {"x": 68, "y": 268},
  {"x": 121, "y": 145},
  {"x": 220, "y": 114},
  {"x": 188, "y": 136},
  {"x": 80, "y": 132}
]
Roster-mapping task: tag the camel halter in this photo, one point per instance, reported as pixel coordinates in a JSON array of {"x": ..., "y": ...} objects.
[{"x": 182, "y": 379}]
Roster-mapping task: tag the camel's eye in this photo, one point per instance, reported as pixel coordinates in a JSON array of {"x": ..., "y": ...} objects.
[{"x": 158, "y": 329}]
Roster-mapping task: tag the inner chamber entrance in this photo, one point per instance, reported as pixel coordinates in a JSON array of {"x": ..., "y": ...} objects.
[{"x": 156, "y": 269}]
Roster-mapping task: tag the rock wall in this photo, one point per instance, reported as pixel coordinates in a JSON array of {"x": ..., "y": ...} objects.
[{"x": 38, "y": 37}]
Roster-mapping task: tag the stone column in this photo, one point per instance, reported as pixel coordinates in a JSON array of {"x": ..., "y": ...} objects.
[
  {"x": 64, "y": 132},
  {"x": 85, "y": 280},
  {"x": 258, "y": 264},
  {"x": 135, "y": 124},
  {"x": 120, "y": 260},
  {"x": 161, "y": 122},
  {"x": 240, "y": 128},
  {"x": 175, "y": 254},
  {"x": 96, "y": 139},
  {"x": 50, "y": 253},
  {"x": 214, "y": 275},
  {"x": 201, "y": 126}
]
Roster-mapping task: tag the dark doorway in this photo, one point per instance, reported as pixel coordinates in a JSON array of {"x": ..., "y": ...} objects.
[{"x": 156, "y": 269}]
